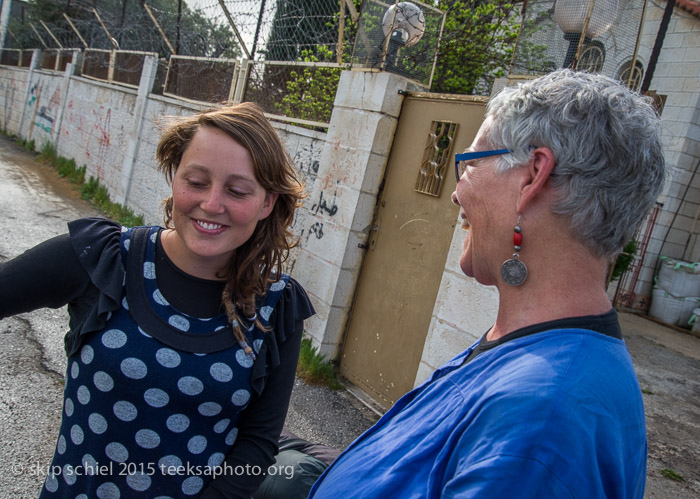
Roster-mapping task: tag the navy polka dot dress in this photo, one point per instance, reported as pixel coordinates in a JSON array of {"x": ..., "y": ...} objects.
[{"x": 152, "y": 416}]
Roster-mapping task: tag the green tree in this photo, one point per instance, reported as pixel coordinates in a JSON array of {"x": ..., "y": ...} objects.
[
  {"x": 301, "y": 26},
  {"x": 311, "y": 91},
  {"x": 477, "y": 44}
]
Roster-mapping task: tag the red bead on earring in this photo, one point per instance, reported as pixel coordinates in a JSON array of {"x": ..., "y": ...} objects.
[{"x": 513, "y": 271}]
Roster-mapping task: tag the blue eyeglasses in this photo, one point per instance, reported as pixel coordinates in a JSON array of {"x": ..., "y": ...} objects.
[{"x": 460, "y": 159}]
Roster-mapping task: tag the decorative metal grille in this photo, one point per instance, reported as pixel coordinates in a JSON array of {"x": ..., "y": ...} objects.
[
  {"x": 632, "y": 78},
  {"x": 434, "y": 165}
]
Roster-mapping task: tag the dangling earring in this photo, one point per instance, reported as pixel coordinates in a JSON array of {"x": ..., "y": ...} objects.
[{"x": 513, "y": 271}]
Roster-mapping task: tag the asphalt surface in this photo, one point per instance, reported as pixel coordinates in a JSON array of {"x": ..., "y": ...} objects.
[{"x": 35, "y": 205}]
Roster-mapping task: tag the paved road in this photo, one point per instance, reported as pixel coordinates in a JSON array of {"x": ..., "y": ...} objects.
[{"x": 35, "y": 205}]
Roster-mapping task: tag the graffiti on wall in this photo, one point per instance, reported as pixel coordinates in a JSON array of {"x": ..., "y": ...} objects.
[
  {"x": 45, "y": 116},
  {"x": 8, "y": 88}
]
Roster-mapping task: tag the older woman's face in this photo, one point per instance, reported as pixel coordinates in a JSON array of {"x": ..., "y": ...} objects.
[
  {"x": 217, "y": 201},
  {"x": 488, "y": 211}
]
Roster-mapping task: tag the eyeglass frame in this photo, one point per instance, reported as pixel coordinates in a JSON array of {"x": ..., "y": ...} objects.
[{"x": 466, "y": 156}]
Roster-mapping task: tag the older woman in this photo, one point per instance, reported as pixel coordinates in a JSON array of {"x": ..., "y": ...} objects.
[
  {"x": 184, "y": 339},
  {"x": 546, "y": 403}
]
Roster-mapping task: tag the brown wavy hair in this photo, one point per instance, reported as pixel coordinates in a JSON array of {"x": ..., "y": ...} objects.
[{"x": 258, "y": 261}]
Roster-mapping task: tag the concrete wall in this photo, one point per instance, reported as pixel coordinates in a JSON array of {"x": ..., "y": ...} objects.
[
  {"x": 677, "y": 76},
  {"x": 114, "y": 130}
]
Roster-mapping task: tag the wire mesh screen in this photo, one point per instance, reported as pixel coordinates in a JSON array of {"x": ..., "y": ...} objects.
[
  {"x": 402, "y": 38},
  {"x": 96, "y": 64},
  {"x": 599, "y": 36},
  {"x": 305, "y": 91},
  {"x": 201, "y": 79},
  {"x": 65, "y": 57},
  {"x": 10, "y": 57},
  {"x": 283, "y": 30},
  {"x": 128, "y": 67},
  {"x": 49, "y": 59}
]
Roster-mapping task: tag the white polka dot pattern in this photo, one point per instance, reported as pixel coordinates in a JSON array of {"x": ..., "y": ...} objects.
[
  {"x": 190, "y": 385},
  {"x": 149, "y": 270},
  {"x": 148, "y": 439},
  {"x": 125, "y": 411},
  {"x": 103, "y": 381},
  {"x": 197, "y": 444},
  {"x": 278, "y": 286},
  {"x": 117, "y": 452},
  {"x": 140, "y": 482},
  {"x": 87, "y": 354},
  {"x": 76, "y": 434},
  {"x": 97, "y": 423},
  {"x": 240, "y": 397},
  {"x": 155, "y": 397},
  {"x": 83, "y": 395},
  {"x": 243, "y": 359},
  {"x": 108, "y": 491},
  {"x": 177, "y": 423},
  {"x": 209, "y": 409},
  {"x": 133, "y": 398},
  {"x": 167, "y": 357},
  {"x": 266, "y": 312},
  {"x": 69, "y": 407},
  {"x": 192, "y": 485},
  {"x": 133, "y": 368},
  {"x": 159, "y": 298},
  {"x": 231, "y": 436},
  {"x": 179, "y": 322},
  {"x": 114, "y": 338},
  {"x": 221, "y": 372}
]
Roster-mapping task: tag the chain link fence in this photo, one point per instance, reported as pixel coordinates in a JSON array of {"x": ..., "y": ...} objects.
[{"x": 287, "y": 55}]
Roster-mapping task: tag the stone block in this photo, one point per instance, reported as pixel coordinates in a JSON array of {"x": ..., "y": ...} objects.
[
  {"x": 345, "y": 289},
  {"x": 364, "y": 211},
  {"x": 362, "y": 130},
  {"x": 316, "y": 275},
  {"x": 444, "y": 342},
  {"x": 355, "y": 249},
  {"x": 377, "y": 92},
  {"x": 325, "y": 239},
  {"x": 466, "y": 304},
  {"x": 374, "y": 173}
]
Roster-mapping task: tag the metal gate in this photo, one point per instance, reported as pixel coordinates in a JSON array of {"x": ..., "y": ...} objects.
[{"x": 409, "y": 242}]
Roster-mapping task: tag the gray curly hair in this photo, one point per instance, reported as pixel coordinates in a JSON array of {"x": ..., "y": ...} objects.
[{"x": 606, "y": 141}]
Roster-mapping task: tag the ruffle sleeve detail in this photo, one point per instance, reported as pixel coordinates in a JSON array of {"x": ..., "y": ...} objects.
[
  {"x": 96, "y": 243},
  {"x": 287, "y": 321}
]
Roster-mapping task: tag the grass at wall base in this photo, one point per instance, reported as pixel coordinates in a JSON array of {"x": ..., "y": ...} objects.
[
  {"x": 315, "y": 369},
  {"x": 90, "y": 189}
]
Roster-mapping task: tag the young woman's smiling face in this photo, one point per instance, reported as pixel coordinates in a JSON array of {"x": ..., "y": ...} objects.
[{"x": 217, "y": 203}]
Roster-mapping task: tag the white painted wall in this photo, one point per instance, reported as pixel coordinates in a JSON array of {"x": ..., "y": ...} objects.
[{"x": 342, "y": 170}]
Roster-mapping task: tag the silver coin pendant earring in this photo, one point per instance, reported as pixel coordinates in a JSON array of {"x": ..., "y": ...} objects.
[{"x": 513, "y": 271}]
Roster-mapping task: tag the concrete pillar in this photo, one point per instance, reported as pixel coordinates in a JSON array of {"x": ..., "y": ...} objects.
[
  {"x": 338, "y": 213},
  {"x": 65, "y": 85},
  {"x": 5, "y": 10},
  {"x": 148, "y": 77},
  {"x": 36, "y": 63}
]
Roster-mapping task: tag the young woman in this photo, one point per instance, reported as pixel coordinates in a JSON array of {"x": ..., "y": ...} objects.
[{"x": 183, "y": 340}]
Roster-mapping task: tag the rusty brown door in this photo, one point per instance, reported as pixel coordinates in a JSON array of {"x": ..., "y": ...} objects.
[{"x": 411, "y": 236}]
